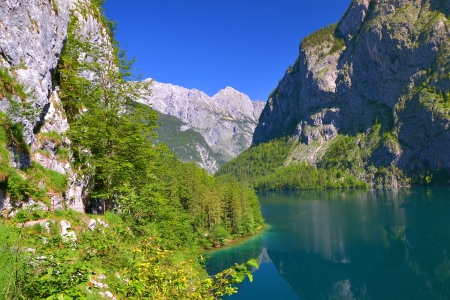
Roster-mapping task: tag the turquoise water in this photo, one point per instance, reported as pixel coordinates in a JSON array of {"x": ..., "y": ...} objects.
[{"x": 348, "y": 245}]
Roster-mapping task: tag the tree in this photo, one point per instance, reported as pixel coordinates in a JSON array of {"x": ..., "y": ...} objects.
[{"x": 110, "y": 134}]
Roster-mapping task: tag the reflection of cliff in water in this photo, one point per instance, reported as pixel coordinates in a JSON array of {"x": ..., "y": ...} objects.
[
  {"x": 417, "y": 272},
  {"x": 340, "y": 219},
  {"x": 368, "y": 249}
]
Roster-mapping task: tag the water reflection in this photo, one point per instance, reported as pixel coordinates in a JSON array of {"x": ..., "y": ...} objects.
[{"x": 357, "y": 244}]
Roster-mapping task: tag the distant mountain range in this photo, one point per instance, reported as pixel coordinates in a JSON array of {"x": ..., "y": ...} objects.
[{"x": 206, "y": 130}]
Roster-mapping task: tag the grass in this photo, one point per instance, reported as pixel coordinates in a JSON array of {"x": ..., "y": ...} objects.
[
  {"x": 63, "y": 154},
  {"x": 44, "y": 153},
  {"x": 4, "y": 155},
  {"x": 9, "y": 259},
  {"x": 13, "y": 243},
  {"x": 51, "y": 136},
  {"x": 55, "y": 6},
  {"x": 9, "y": 86},
  {"x": 54, "y": 181},
  {"x": 35, "y": 182}
]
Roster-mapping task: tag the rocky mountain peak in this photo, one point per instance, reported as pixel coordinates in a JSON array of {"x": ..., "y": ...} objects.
[
  {"x": 353, "y": 19},
  {"x": 383, "y": 67},
  {"x": 235, "y": 104},
  {"x": 226, "y": 120}
]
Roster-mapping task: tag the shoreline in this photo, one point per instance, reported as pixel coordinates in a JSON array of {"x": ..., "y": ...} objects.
[{"x": 239, "y": 240}]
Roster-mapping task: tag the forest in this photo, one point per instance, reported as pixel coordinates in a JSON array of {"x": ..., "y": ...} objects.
[
  {"x": 159, "y": 214},
  {"x": 262, "y": 167}
]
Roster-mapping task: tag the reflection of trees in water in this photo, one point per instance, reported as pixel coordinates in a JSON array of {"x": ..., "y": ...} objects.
[
  {"x": 343, "y": 218},
  {"x": 379, "y": 244},
  {"x": 227, "y": 257},
  {"x": 381, "y": 196},
  {"x": 406, "y": 265}
]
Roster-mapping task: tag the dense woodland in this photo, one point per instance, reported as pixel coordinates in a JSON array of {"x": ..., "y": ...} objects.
[
  {"x": 262, "y": 167},
  {"x": 161, "y": 213}
]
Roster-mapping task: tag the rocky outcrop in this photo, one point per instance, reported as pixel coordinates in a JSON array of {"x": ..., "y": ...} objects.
[
  {"x": 386, "y": 62},
  {"x": 32, "y": 36},
  {"x": 226, "y": 120}
]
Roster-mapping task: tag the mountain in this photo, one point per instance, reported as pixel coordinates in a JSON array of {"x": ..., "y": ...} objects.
[
  {"x": 226, "y": 120},
  {"x": 370, "y": 94},
  {"x": 188, "y": 144}
]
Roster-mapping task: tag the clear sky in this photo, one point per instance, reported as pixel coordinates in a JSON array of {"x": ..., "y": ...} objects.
[{"x": 211, "y": 44}]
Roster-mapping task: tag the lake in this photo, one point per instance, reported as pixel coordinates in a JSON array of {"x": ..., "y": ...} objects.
[{"x": 379, "y": 244}]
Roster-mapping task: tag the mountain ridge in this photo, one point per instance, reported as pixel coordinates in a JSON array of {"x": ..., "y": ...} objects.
[
  {"x": 380, "y": 77},
  {"x": 226, "y": 120}
]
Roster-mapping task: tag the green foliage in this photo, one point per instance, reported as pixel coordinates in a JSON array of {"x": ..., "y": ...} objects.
[
  {"x": 15, "y": 94},
  {"x": 109, "y": 138},
  {"x": 337, "y": 156},
  {"x": 439, "y": 177},
  {"x": 155, "y": 273},
  {"x": 112, "y": 142},
  {"x": 55, "y": 6},
  {"x": 133, "y": 266},
  {"x": 325, "y": 34},
  {"x": 387, "y": 136},
  {"x": 434, "y": 100},
  {"x": 11, "y": 136},
  {"x": 166, "y": 211},
  {"x": 35, "y": 182},
  {"x": 51, "y": 136},
  {"x": 10, "y": 87},
  {"x": 4, "y": 154},
  {"x": 20, "y": 189},
  {"x": 58, "y": 270},
  {"x": 304, "y": 177},
  {"x": 53, "y": 181},
  {"x": 257, "y": 161},
  {"x": 11, "y": 133},
  {"x": 62, "y": 154},
  {"x": 263, "y": 167},
  {"x": 353, "y": 152},
  {"x": 11, "y": 264}
]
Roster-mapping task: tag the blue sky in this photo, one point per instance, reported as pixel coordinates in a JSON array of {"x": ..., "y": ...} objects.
[{"x": 211, "y": 44}]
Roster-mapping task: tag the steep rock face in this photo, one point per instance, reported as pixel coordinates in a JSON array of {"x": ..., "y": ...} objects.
[
  {"x": 32, "y": 36},
  {"x": 187, "y": 144},
  {"x": 31, "y": 39},
  {"x": 393, "y": 70},
  {"x": 226, "y": 120}
]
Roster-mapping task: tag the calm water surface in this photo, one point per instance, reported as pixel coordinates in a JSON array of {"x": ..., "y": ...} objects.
[{"x": 348, "y": 245}]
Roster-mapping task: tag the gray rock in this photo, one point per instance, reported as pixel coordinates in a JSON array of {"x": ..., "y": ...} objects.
[
  {"x": 68, "y": 236},
  {"x": 376, "y": 78},
  {"x": 32, "y": 35},
  {"x": 207, "y": 161},
  {"x": 226, "y": 120},
  {"x": 92, "y": 224},
  {"x": 31, "y": 39}
]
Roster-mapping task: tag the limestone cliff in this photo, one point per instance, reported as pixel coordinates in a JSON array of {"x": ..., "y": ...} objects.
[
  {"x": 384, "y": 67},
  {"x": 32, "y": 37},
  {"x": 226, "y": 120}
]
